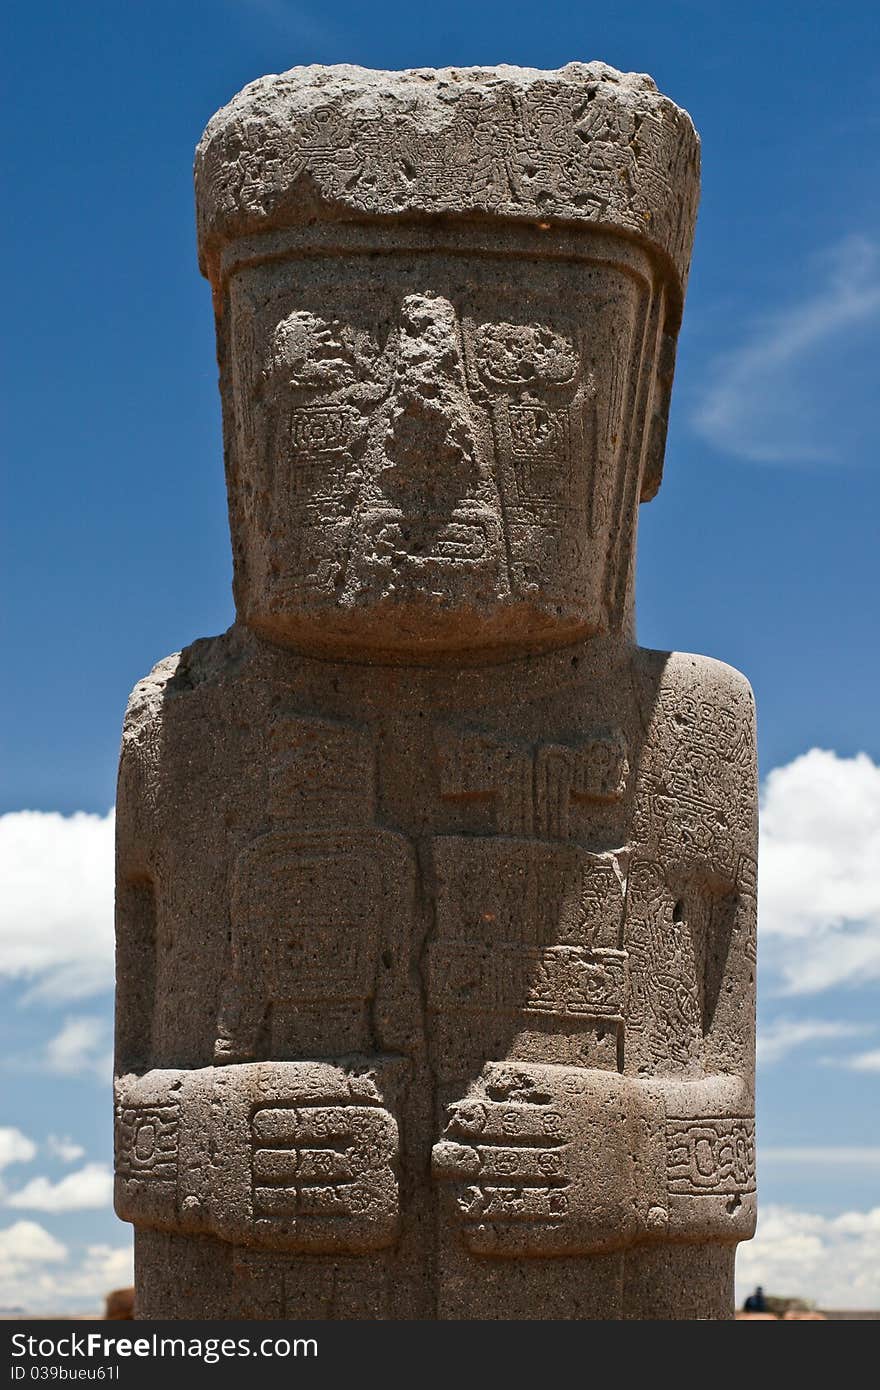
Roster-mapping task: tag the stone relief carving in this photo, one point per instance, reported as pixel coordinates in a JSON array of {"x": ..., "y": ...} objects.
[
  {"x": 422, "y": 450},
  {"x": 436, "y": 920}
]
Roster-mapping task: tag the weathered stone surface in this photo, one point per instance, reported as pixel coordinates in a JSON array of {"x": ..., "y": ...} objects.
[
  {"x": 584, "y": 144},
  {"x": 436, "y": 893}
]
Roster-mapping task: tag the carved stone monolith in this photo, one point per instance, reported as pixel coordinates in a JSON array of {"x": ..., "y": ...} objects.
[{"x": 436, "y": 893}]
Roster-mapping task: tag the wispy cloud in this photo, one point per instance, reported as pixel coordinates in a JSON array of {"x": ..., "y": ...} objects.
[
  {"x": 851, "y": 1156},
  {"x": 66, "y": 1149},
  {"x": 81, "y": 1048},
  {"x": 819, "y": 889},
  {"x": 296, "y": 23},
  {"x": 767, "y": 400},
  {"x": 841, "y": 1157},
  {"x": 783, "y": 1035},
  {"x": 864, "y": 1061}
]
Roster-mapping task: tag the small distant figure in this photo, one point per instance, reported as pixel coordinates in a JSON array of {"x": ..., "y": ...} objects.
[
  {"x": 756, "y": 1302},
  {"x": 120, "y": 1305}
]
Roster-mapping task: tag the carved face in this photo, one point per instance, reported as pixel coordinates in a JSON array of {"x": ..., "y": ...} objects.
[{"x": 433, "y": 453}]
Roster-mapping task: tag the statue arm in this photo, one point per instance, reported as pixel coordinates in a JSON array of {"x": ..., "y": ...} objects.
[{"x": 138, "y": 870}]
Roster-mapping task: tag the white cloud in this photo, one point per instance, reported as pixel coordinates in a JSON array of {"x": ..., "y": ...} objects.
[
  {"x": 64, "y": 1148},
  {"x": 38, "y": 1274},
  {"x": 831, "y": 1261},
  {"x": 25, "y": 1243},
  {"x": 769, "y": 400},
  {"x": 819, "y": 889},
  {"x": 56, "y": 909},
  {"x": 81, "y": 1048},
  {"x": 865, "y": 1061},
  {"x": 783, "y": 1035},
  {"x": 88, "y": 1188},
  {"x": 15, "y": 1147}
]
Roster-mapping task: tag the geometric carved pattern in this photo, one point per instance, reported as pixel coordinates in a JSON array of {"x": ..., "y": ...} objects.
[
  {"x": 307, "y": 904},
  {"x": 525, "y": 925},
  {"x": 278, "y": 1155},
  {"x": 712, "y": 1157},
  {"x": 312, "y": 913},
  {"x": 664, "y": 1002},
  {"x": 511, "y": 1154},
  {"x": 532, "y": 790},
  {"x": 146, "y": 1142},
  {"x": 320, "y": 1161},
  {"x": 746, "y": 882},
  {"x": 552, "y": 1160},
  {"x": 555, "y": 980},
  {"x": 696, "y": 789},
  {"x": 539, "y": 440}
]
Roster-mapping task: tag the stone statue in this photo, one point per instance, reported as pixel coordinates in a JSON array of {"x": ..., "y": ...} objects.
[{"x": 436, "y": 940}]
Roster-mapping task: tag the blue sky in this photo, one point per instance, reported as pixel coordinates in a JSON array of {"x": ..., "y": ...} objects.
[{"x": 761, "y": 548}]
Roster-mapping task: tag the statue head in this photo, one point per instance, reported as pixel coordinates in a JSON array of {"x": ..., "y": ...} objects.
[{"x": 446, "y": 306}]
